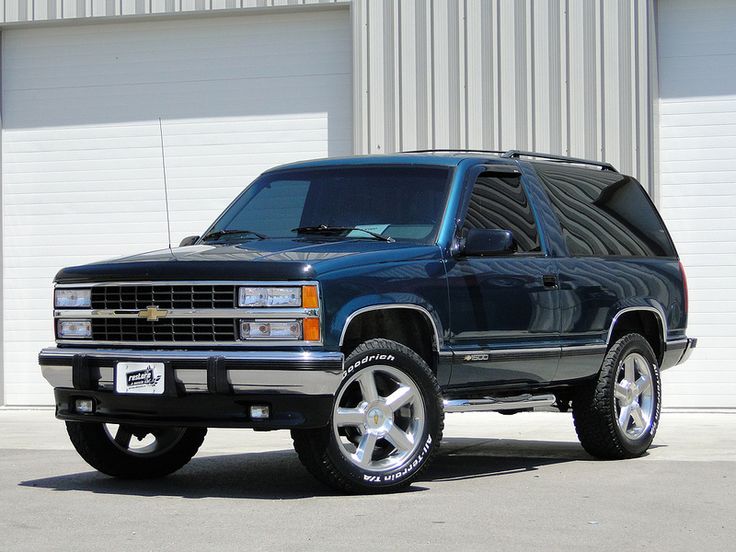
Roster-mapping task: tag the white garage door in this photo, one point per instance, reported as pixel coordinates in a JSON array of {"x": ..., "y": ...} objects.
[
  {"x": 81, "y": 159},
  {"x": 697, "y": 64}
]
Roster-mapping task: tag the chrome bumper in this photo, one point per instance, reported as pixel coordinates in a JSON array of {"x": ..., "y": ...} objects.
[
  {"x": 301, "y": 373},
  {"x": 692, "y": 343}
]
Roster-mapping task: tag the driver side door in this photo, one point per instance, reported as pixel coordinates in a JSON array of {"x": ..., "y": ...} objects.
[{"x": 504, "y": 308}]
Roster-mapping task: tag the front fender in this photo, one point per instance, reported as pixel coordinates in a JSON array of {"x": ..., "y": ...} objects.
[{"x": 369, "y": 303}]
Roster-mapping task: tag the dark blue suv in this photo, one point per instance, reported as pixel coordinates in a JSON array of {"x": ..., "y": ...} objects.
[{"x": 354, "y": 301}]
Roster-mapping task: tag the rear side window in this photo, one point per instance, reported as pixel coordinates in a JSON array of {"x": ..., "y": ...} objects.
[
  {"x": 604, "y": 213},
  {"x": 500, "y": 202}
]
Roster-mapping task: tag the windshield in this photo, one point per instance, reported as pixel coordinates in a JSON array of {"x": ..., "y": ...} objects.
[{"x": 399, "y": 202}]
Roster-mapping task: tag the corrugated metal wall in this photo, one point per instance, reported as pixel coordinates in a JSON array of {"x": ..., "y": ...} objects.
[
  {"x": 48, "y": 10},
  {"x": 562, "y": 76}
]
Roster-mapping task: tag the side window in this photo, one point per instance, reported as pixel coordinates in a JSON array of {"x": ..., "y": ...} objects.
[
  {"x": 604, "y": 213},
  {"x": 500, "y": 202}
]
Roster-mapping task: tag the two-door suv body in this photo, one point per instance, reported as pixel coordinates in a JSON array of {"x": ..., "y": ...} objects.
[{"x": 354, "y": 301}]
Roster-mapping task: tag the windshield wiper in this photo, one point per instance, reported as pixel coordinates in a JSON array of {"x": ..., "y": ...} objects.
[
  {"x": 324, "y": 229},
  {"x": 219, "y": 233}
]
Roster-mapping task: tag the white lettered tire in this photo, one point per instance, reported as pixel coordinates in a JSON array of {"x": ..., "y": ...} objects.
[{"x": 386, "y": 422}]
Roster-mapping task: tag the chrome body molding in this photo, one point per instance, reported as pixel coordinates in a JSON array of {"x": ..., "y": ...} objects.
[
  {"x": 490, "y": 354},
  {"x": 520, "y": 350},
  {"x": 662, "y": 320},
  {"x": 178, "y": 354},
  {"x": 252, "y": 344},
  {"x": 265, "y": 313},
  {"x": 494, "y": 404},
  {"x": 436, "y": 340},
  {"x": 302, "y": 373}
]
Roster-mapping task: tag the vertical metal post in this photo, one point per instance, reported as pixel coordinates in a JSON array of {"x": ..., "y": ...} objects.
[{"x": 2, "y": 253}]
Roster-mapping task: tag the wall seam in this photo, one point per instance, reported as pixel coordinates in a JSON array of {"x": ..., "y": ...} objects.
[{"x": 2, "y": 231}]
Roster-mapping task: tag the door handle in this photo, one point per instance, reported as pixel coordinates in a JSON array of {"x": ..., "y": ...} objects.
[{"x": 550, "y": 281}]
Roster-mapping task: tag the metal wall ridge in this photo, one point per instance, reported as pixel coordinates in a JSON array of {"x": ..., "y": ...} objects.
[
  {"x": 31, "y": 11},
  {"x": 571, "y": 77}
]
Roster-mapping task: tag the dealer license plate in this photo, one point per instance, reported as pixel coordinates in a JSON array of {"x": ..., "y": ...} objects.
[{"x": 139, "y": 378}]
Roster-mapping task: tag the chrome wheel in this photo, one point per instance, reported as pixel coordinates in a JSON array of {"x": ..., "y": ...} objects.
[
  {"x": 139, "y": 441},
  {"x": 378, "y": 418},
  {"x": 634, "y": 396}
]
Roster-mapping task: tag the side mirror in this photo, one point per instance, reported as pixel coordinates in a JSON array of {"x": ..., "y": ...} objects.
[
  {"x": 189, "y": 240},
  {"x": 486, "y": 242}
]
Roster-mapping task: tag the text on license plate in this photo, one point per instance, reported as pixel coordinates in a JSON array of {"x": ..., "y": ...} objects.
[{"x": 139, "y": 378}]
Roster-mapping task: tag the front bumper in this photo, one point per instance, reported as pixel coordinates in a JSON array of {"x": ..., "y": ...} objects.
[{"x": 206, "y": 388}]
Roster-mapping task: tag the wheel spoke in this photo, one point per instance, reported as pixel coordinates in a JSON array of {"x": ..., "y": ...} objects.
[
  {"x": 638, "y": 416},
  {"x": 399, "y": 439},
  {"x": 349, "y": 417},
  {"x": 368, "y": 386},
  {"x": 123, "y": 436},
  {"x": 619, "y": 392},
  {"x": 364, "y": 452},
  {"x": 643, "y": 384},
  {"x": 629, "y": 372},
  {"x": 623, "y": 417},
  {"x": 403, "y": 395}
]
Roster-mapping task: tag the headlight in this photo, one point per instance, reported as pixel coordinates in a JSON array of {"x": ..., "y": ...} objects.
[
  {"x": 271, "y": 329},
  {"x": 74, "y": 329},
  {"x": 72, "y": 298},
  {"x": 270, "y": 297}
]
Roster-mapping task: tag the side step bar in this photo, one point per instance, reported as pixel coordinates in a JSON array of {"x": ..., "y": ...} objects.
[{"x": 494, "y": 404}]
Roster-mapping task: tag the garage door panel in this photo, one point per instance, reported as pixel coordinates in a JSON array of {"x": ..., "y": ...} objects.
[
  {"x": 82, "y": 177},
  {"x": 697, "y": 111}
]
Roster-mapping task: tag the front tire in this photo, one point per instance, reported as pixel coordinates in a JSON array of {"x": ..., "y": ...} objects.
[
  {"x": 386, "y": 422},
  {"x": 134, "y": 452},
  {"x": 617, "y": 416}
]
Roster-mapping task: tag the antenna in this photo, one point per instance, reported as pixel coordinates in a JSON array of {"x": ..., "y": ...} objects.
[{"x": 166, "y": 188}]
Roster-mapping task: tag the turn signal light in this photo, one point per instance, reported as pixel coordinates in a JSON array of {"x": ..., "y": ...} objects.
[
  {"x": 309, "y": 297},
  {"x": 311, "y": 329}
]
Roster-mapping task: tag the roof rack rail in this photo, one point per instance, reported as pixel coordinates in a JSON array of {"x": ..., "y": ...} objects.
[
  {"x": 516, "y": 154},
  {"x": 455, "y": 150}
]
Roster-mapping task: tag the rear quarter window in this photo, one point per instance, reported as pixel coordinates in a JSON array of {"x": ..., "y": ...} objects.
[{"x": 604, "y": 213}]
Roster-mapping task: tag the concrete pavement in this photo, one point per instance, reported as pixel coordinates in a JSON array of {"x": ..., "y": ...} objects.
[{"x": 517, "y": 482}]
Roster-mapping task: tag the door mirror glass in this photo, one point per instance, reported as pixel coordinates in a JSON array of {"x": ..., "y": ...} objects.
[
  {"x": 487, "y": 242},
  {"x": 189, "y": 240}
]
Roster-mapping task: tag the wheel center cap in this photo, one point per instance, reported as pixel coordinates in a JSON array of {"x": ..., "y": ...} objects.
[
  {"x": 375, "y": 418},
  {"x": 630, "y": 394}
]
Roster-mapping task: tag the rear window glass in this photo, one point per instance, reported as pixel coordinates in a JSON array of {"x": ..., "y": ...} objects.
[{"x": 604, "y": 213}]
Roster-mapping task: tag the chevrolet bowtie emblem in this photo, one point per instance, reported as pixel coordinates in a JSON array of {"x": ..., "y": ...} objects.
[{"x": 152, "y": 313}]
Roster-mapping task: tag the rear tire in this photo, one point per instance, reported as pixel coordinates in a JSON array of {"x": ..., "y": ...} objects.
[
  {"x": 617, "y": 416},
  {"x": 386, "y": 422},
  {"x": 114, "y": 452}
]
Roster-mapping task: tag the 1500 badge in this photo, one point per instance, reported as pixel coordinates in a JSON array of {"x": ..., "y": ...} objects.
[{"x": 475, "y": 358}]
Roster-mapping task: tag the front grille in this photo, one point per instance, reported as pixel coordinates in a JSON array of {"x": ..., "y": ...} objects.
[
  {"x": 171, "y": 330},
  {"x": 137, "y": 297}
]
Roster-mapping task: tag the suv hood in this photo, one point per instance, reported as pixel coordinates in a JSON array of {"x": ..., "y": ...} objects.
[{"x": 271, "y": 259}]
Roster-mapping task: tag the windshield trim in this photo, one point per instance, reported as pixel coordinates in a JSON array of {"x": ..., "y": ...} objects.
[{"x": 432, "y": 239}]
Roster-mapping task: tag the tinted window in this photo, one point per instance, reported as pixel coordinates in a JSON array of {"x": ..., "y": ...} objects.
[
  {"x": 604, "y": 213},
  {"x": 278, "y": 209},
  {"x": 403, "y": 202},
  {"x": 498, "y": 202}
]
